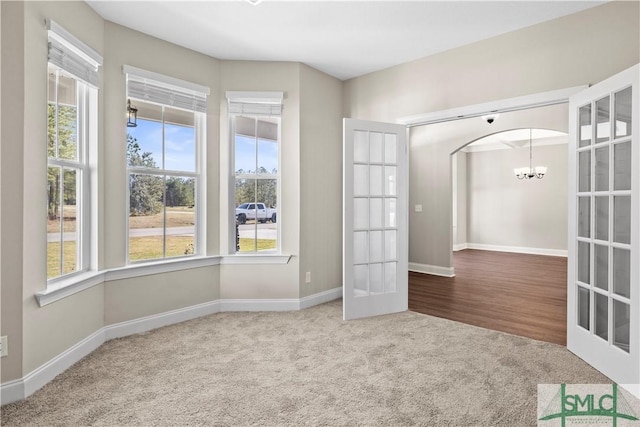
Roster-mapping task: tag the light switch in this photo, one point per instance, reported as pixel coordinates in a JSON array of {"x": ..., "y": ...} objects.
[{"x": 418, "y": 208}]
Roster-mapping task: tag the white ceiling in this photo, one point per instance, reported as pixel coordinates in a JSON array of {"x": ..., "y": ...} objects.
[{"x": 342, "y": 38}]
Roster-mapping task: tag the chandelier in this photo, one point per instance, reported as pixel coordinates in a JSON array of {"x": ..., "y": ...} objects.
[{"x": 530, "y": 172}]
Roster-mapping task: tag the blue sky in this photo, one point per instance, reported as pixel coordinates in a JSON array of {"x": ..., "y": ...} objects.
[
  {"x": 246, "y": 154},
  {"x": 179, "y": 144},
  {"x": 179, "y": 150}
]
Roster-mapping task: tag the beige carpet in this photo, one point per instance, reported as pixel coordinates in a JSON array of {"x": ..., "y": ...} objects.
[{"x": 306, "y": 368}]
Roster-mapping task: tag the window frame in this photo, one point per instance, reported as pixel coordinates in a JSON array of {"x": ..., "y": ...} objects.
[
  {"x": 69, "y": 55},
  {"x": 191, "y": 98},
  {"x": 258, "y": 104}
]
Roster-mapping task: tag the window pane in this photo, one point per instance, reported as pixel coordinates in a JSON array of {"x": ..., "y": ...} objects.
[
  {"x": 585, "y": 126},
  {"x": 601, "y": 266},
  {"x": 584, "y": 171},
  {"x": 267, "y": 156},
  {"x": 146, "y": 217},
  {"x": 602, "y": 169},
  {"x": 584, "y": 216},
  {"x": 144, "y": 142},
  {"x": 180, "y": 199},
  {"x": 621, "y": 323},
  {"x": 623, "y": 112},
  {"x": 375, "y": 147},
  {"x": 602, "y": 217},
  {"x": 69, "y": 228},
  {"x": 267, "y": 231},
  {"x": 584, "y": 262},
  {"x": 622, "y": 219},
  {"x": 622, "y": 272},
  {"x": 54, "y": 223},
  {"x": 603, "y": 128},
  {"x": 622, "y": 166},
  {"x": 583, "y": 307},
  {"x": 601, "y": 316},
  {"x": 179, "y": 140}
]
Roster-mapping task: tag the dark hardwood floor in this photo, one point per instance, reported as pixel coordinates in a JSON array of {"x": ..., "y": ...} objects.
[{"x": 516, "y": 293}]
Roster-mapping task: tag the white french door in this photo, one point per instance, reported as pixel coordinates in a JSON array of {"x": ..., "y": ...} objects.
[
  {"x": 603, "y": 311},
  {"x": 375, "y": 219}
]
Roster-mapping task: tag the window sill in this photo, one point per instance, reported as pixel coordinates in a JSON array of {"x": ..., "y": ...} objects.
[
  {"x": 79, "y": 282},
  {"x": 255, "y": 259}
]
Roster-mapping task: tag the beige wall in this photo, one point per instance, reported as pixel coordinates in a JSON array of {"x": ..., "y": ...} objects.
[
  {"x": 320, "y": 181},
  {"x": 459, "y": 188},
  {"x": 11, "y": 158},
  {"x": 257, "y": 280},
  {"x": 505, "y": 211},
  {"x": 574, "y": 50}
]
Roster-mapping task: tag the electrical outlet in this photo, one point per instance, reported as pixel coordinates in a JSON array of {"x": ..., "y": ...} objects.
[
  {"x": 4, "y": 346},
  {"x": 307, "y": 278}
]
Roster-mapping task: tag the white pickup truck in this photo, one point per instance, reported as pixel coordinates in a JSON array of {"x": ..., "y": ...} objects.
[{"x": 249, "y": 211}]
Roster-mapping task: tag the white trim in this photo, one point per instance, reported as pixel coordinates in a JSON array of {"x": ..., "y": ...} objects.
[
  {"x": 22, "y": 388},
  {"x": 80, "y": 282},
  {"x": 166, "y": 266},
  {"x": 518, "y": 249},
  {"x": 272, "y": 97},
  {"x": 73, "y": 43},
  {"x": 155, "y": 321},
  {"x": 167, "y": 80},
  {"x": 435, "y": 270},
  {"x": 460, "y": 247},
  {"x": 259, "y": 304},
  {"x": 255, "y": 259},
  {"x": 510, "y": 104},
  {"x": 320, "y": 298}
]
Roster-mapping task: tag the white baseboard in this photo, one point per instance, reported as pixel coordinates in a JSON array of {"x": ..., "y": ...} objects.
[
  {"x": 460, "y": 246},
  {"x": 436, "y": 270},
  {"x": 517, "y": 249},
  {"x": 320, "y": 298},
  {"x": 147, "y": 323},
  {"x": 22, "y": 388}
]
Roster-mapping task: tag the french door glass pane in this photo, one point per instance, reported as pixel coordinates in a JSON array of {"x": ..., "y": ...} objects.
[
  {"x": 602, "y": 217},
  {"x": 585, "y": 126},
  {"x": 601, "y": 316},
  {"x": 601, "y": 266},
  {"x": 584, "y": 216},
  {"x": 360, "y": 280},
  {"x": 584, "y": 171},
  {"x": 602, "y": 169},
  {"x": 621, "y": 323},
  {"x": 622, "y": 219},
  {"x": 390, "y": 180},
  {"x": 390, "y": 245},
  {"x": 583, "y": 262},
  {"x": 375, "y": 212},
  {"x": 623, "y": 116},
  {"x": 390, "y": 213},
  {"x": 390, "y": 277},
  {"x": 603, "y": 127},
  {"x": 375, "y": 279},
  {"x": 360, "y": 213},
  {"x": 360, "y": 180},
  {"x": 360, "y": 247},
  {"x": 375, "y": 246},
  {"x": 375, "y": 180},
  {"x": 375, "y": 147},
  {"x": 583, "y": 307},
  {"x": 360, "y": 146},
  {"x": 622, "y": 272},
  {"x": 390, "y": 147},
  {"x": 622, "y": 166}
]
